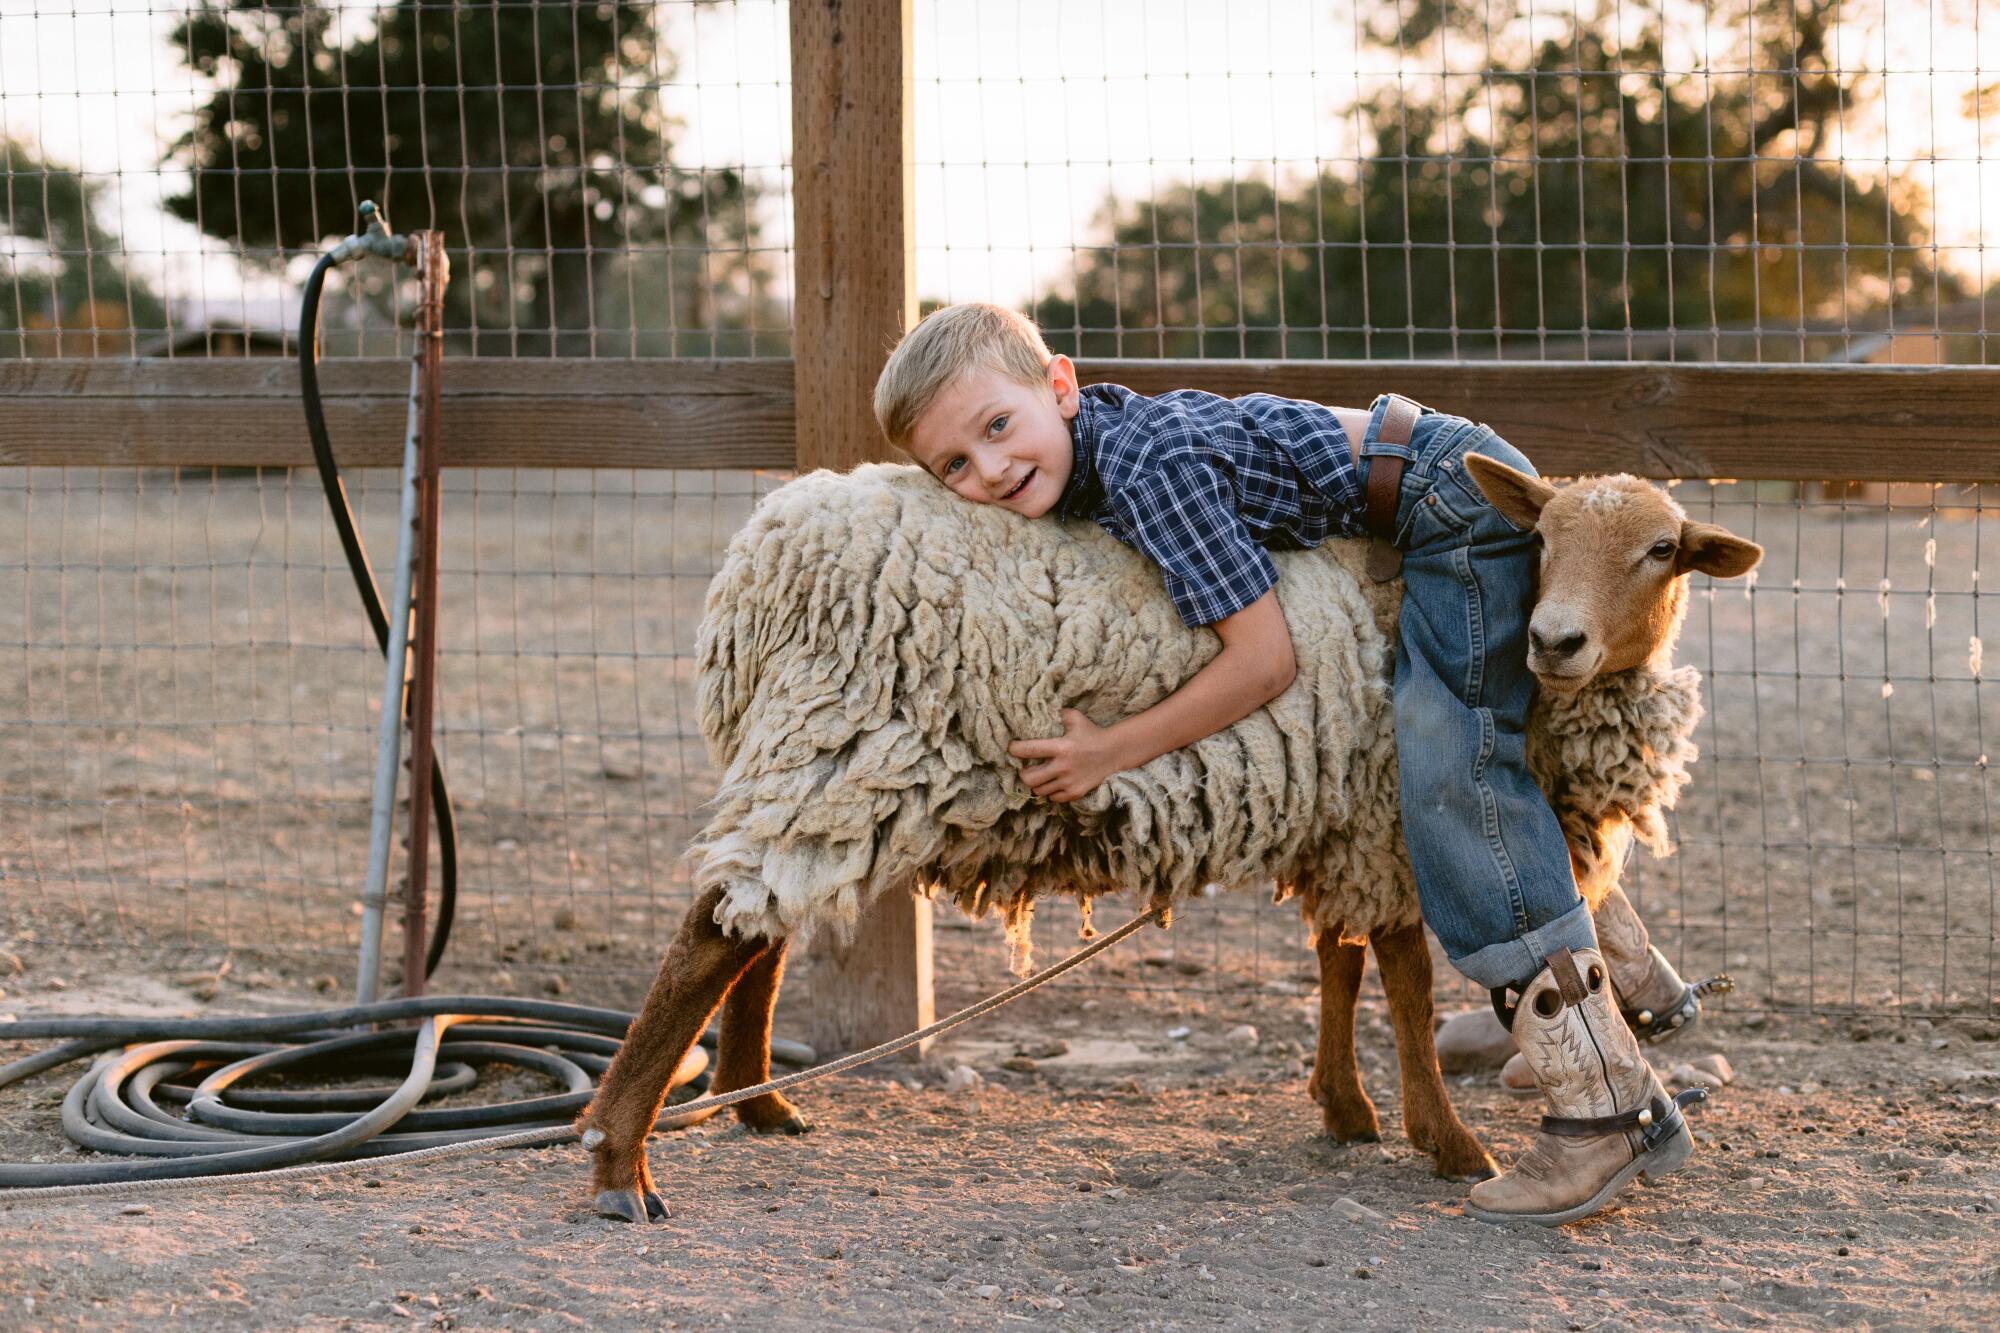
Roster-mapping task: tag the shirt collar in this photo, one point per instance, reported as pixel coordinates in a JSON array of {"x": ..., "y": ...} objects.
[{"x": 1085, "y": 492}]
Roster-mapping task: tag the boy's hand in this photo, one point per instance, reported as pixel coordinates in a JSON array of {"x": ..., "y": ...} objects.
[{"x": 1076, "y": 761}]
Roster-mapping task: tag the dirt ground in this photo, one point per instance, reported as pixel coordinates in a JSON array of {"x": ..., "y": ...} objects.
[{"x": 1849, "y": 1176}]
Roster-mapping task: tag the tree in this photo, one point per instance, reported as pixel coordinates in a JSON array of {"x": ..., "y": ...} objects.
[
  {"x": 64, "y": 286},
  {"x": 533, "y": 135},
  {"x": 1564, "y": 198}
]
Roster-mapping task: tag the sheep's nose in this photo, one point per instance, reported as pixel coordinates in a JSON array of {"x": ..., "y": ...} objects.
[{"x": 1551, "y": 646}]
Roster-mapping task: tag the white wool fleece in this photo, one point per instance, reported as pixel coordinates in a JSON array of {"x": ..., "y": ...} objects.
[{"x": 872, "y": 644}]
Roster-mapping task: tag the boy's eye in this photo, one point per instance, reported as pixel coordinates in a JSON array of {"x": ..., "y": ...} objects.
[
  {"x": 953, "y": 466},
  {"x": 997, "y": 425}
]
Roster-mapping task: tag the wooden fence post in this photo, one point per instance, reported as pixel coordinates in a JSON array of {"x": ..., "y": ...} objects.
[{"x": 854, "y": 281}]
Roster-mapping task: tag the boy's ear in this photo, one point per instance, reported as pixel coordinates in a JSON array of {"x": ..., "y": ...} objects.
[
  {"x": 1715, "y": 551},
  {"x": 1517, "y": 495},
  {"x": 1062, "y": 381}
]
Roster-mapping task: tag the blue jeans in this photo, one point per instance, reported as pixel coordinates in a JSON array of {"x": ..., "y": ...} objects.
[{"x": 1492, "y": 868}]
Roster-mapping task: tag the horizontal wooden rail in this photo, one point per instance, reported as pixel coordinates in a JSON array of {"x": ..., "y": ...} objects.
[
  {"x": 1818, "y": 423},
  {"x": 497, "y": 413},
  {"x": 1875, "y": 423}
]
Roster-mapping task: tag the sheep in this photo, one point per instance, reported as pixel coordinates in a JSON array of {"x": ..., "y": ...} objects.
[{"x": 870, "y": 646}]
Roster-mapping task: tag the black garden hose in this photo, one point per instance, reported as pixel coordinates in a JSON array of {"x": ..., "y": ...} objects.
[
  {"x": 371, "y": 600},
  {"x": 115, "y": 1108}
]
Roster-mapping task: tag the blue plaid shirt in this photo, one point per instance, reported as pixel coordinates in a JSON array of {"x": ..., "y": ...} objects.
[{"x": 1203, "y": 485}]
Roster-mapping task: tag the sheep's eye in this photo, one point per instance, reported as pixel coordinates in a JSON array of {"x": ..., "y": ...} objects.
[{"x": 1662, "y": 550}]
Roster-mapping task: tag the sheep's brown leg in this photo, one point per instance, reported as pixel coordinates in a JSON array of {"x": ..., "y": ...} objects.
[
  {"x": 743, "y": 1051},
  {"x": 1336, "y": 1080},
  {"x": 1428, "y": 1117},
  {"x": 697, "y": 972}
]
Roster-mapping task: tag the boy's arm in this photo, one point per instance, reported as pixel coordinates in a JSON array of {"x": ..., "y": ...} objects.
[{"x": 1254, "y": 667}]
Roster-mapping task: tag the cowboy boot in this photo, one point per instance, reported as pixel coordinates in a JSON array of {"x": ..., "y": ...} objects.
[
  {"x": 1609, "y": 1119},
  {"x": 1651, "y": 995},
  {"x": 1666, "y": 1007},
  {"x": 1656, "y": 1003}
]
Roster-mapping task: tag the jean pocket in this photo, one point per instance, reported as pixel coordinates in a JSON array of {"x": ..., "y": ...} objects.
[
  {"x": 1435, "y": 516},
  {"x": 1469, "y": 497}
]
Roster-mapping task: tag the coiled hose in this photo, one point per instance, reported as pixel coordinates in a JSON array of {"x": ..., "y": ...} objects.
[{"x": 116, "y": 1107}]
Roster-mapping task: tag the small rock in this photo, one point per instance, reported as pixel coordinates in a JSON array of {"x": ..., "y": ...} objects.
[
  {"x": 1243, "y": 1035},
  {"x": 1357, "y": 1212},
  {"x": 564, "y": 918},
  {"x": 1048, "y": 1050},
  {"x": 136, "y": 1209},
  {"x": 1728, "y": 1284},
  {"x": 1179, "y": 1034},
  {"x": 962, "y": 1078},
  {"x": 1689, "y": 1076},
  {"x": 56, "y": 983},
  {"x": 1717, "y": 1065},
  {"x": 986, "y": 1291},
  {"x": 1473, "y": 1040},
  {"x": 1363, "y": 1273},
  {"x": 1083, "y": 1187},
  {"x": 1019, "y": 1064},
  {"x": 325, "y": 983},
  {"x": 556, "y": 985}
]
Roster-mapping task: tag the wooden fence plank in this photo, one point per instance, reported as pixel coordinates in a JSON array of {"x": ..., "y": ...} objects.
[
  {"x": 1876, "y": 423},
  {"x": 245, "y": 412},
  {"x": 854, "y": 293}
]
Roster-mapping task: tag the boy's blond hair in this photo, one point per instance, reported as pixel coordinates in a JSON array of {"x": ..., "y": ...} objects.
[{"x": 943, "y": 346}]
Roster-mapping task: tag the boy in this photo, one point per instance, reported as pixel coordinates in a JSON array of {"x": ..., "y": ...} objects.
[{"x": 1202, "y": 486}]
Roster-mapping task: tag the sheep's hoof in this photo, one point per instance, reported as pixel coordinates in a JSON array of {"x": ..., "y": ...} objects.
[
  {"x": 625, "y": 1205},
  {"x": 791, "y": 1124},
  {"x": 1469, "y": 1169},
  {"x": 656, "y": 1207}
]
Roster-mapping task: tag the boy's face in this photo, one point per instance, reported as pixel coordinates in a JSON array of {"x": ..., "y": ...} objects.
[{"x": 995, "y": 440}]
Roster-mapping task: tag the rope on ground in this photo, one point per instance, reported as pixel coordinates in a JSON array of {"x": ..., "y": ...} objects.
[{"x": 532, "y": 1138}]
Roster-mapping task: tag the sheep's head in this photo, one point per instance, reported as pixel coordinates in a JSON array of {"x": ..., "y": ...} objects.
[{"x": 1616, "y": 553}]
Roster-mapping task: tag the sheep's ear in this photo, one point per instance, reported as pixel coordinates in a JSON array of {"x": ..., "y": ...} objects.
[
  {"x": 1516, "y": 494},
  {"x": 1716, "y": 551}
]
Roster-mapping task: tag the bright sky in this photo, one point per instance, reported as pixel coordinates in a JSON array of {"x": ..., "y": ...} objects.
[{"x": 1027, "y": 113}]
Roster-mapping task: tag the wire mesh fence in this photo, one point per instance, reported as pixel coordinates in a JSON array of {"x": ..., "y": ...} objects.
[
  {"x": 187, "y": 724},
  {"x": 186, "y": 687}
]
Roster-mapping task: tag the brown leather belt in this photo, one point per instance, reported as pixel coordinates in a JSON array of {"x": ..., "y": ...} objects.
[{"x": 1385, "y": 483}]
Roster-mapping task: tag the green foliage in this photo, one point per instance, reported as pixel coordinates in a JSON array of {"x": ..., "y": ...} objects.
[
  {"x": 531, "y": 134},
  {"x": 64, "y": 287},
  {"x": 1566, "y": 199}
]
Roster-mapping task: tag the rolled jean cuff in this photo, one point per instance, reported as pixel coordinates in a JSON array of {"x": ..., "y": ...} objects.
[{"x": 1516, "y": 962}]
